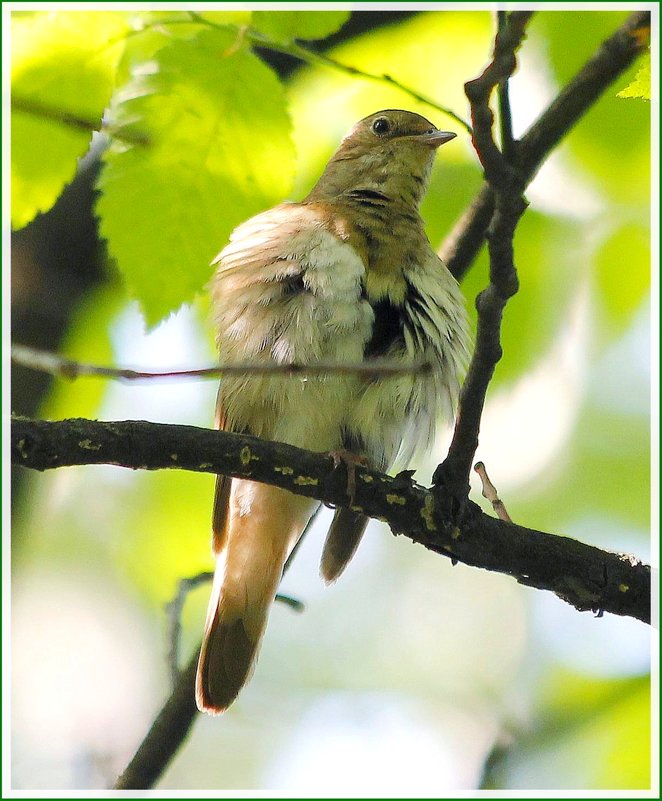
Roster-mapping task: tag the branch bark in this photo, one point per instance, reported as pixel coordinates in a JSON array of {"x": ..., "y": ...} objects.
[
  {"x": 507, "y": 188},
  {"x": 614, "y": 56},
  {"x": 586, "y": 577},
  {"x": 166, "y": 734}
]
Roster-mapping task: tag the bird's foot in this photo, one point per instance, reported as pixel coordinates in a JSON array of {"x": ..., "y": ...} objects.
[{"x": 351, "y": 462}]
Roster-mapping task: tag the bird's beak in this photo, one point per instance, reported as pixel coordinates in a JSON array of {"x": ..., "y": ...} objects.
[{"x": 436, "y": 138}]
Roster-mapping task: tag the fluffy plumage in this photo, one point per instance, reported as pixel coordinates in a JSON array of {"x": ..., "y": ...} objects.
[{"x": 347, "y": 274}]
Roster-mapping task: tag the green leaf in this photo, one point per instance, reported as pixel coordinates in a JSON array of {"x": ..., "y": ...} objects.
[
  {"x": 641, "y": 85},
  {"x": 284, "y": 26},
  {"x": 63, "y": 66},
  {"x": 219, "y": 152}
]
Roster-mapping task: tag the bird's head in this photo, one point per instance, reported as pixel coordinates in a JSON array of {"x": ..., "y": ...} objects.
[{"x": 390, "y": 151}]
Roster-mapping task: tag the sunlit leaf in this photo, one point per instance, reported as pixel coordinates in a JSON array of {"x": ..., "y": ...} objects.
[
  {"x": 219, "y": 151},
  {"x": 157, "y": 28},
  {"x": 641, "y": 85},
  {"x": 284, "y": 26},
  {"x": 63, "y": 68}
]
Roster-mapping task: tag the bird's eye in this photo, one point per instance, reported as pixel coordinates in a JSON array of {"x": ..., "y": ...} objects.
[{"x": 381, "y": 126}]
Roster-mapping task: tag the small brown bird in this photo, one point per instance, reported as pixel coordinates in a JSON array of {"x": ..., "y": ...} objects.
[{"x": 344, "y": 276}]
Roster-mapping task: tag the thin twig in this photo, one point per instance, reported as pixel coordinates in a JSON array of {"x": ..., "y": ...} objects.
[
  {"x": 490, "y": 493},
  {"x": 62, "y": 367},
  {"x": 175, "y": 607},
  {"x": 302, "y": 53},
  {"x": 503, "y": 95},
  {"x": 298, "y": 51},
  {"x": 38, "y": 109}
]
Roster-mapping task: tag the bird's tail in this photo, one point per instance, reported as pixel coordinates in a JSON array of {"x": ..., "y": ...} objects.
[
  {"x": 262, "y": 527},
  {"x": 341, "y": 542}
]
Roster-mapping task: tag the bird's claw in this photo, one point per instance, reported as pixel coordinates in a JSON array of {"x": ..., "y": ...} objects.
[{"x": 351, "y": 462}]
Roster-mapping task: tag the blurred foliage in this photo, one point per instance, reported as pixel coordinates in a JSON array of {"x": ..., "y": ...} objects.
[
  {"x": 588, "y": 735},
  {"x": 227, "y": 138}
]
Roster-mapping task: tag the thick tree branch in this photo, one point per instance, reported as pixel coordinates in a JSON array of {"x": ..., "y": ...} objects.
[
  {"x": 584, "y": 576},
  {"x": 613, "y": 57}
]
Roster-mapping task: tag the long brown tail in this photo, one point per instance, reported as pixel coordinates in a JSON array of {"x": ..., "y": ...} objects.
[{"x": 262, "y": 526}]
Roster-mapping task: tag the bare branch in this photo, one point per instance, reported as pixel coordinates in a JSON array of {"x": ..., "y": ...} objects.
[
  {"x": 165, "y": 735},
  {"x": 505, "y": 116},
  {"x": 509, "y": 207},
  {"x": 613, "y": 57},
  {"x": 174, "y": 609},
  {"x": 584, "y": 576},
  {"x": 62, "y": 367}
]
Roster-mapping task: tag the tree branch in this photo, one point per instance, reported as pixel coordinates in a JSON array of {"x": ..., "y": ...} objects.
[
  {"x": 507, "y": 188},
  {"x": 613, "y": 57},
  {"x": 42, "y": 111},
  {"x": 583, "y": 576},
  {"x": 296, "y": 50},
  {"x": 505, "y": 116},
  {"x": 166, "y": 734}
]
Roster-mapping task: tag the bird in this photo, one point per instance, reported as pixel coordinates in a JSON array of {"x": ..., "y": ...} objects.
[{"x": 347, "y": 275}]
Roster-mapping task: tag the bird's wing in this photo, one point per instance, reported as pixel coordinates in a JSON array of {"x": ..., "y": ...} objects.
[{"x": 287, "y": 289}]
